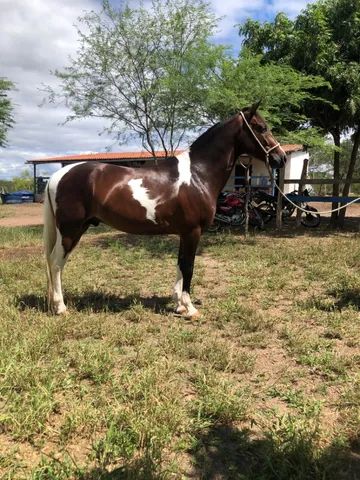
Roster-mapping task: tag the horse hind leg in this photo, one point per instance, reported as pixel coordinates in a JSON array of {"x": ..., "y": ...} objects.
[
  {"x": 56, "y": 263},
  {"x": 65, "y": 243},
  {"x": 187, "y": 251}
]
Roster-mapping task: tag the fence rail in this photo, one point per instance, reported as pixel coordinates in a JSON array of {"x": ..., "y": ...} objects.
[{"x": 322, "y": 181}]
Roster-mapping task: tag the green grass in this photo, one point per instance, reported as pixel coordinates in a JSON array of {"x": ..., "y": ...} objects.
[{"x": 264, "y": 386}]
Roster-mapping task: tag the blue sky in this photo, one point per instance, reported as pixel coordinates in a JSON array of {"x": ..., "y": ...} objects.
[{"x": 38, "y": 36}]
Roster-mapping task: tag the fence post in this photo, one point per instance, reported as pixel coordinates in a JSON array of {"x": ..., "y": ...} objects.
[
  {"x": 279, "y": 198},
  {"x": 247, "y": 195},
  {"x": 301, "y": 187}
]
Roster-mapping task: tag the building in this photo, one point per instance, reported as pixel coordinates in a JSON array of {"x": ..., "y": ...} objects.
[{"x": 258, "y": 171}]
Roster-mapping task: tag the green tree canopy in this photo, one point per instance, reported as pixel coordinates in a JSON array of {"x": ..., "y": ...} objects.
[
  {"x": 6, "y": 119},
  {"x": 323, "y": 40},
  {"x": 281, "y": 89}
]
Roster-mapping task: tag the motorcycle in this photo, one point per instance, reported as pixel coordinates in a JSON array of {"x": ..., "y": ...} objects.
[
  {"x": 230, "y": 212},
  {"x": 267, "y": 205}
]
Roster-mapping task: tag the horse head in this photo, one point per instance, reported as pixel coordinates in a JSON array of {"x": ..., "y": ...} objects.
[{"x": 257, "y": 139}]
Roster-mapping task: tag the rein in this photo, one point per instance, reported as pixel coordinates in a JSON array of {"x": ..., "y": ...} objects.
[
  {"x": 264, "y": 149},
  {"x": 267, "y": 151},
  {"x": 303, "y": 209}
]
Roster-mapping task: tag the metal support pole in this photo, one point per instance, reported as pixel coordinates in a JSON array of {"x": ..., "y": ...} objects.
[
  {"x": 279, "y": 199},
  {"x": 301, "y": 187},
  {"x": 247, "y": 199},
  {"x": 35, "y": 189}
]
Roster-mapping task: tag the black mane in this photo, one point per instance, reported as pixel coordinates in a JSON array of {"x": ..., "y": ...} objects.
[{"x": 210, "y": 133}]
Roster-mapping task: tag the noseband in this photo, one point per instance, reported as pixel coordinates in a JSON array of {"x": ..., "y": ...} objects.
[{"x": 264, "y": 149}]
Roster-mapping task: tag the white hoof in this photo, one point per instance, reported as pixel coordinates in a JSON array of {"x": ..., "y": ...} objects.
[
  {"x": 194, "y": 314},
  {"x": 181, "y": 309},
  {"x": 59, "y": 309}
]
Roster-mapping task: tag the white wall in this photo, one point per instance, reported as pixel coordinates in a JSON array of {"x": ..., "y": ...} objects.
[{"x": 293, "y": 169}]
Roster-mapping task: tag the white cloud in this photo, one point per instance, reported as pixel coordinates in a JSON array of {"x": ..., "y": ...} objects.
[
  {"x": 38, "y": 36},
  {"x": 237, "y": 11}
]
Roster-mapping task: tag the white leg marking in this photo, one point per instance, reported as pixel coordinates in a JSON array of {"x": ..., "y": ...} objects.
[
  {"x": 186, "y": 302},
  {"x": 180, "y": 308},
  {"x": 141, "y": 194},
  {"x": 183, "y": 301},
  {"x": 57, "y": 262},
  {"x": 55, "y": 258},
  {"x": 184, "y": 169}
]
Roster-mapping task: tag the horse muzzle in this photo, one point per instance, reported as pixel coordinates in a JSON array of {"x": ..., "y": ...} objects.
[{"x": 277, "y": 160}]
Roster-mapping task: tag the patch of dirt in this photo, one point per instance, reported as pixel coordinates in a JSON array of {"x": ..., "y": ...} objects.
[
  {"x": 352, "y": 210},
  {"x": 22, "y": 215},
  {"x": 20, "y": 252},
  {"x": 25, "y": 214}
]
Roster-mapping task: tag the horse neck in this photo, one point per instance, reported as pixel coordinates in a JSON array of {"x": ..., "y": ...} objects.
[{"x": 213, "y": 163}]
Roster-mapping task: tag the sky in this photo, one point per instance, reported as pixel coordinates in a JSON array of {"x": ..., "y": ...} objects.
[{"x": 38, "y": 36}]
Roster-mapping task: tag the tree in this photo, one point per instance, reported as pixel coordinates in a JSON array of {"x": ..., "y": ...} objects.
[
  {"x": 323, "y": 40},
  {"x": 146, "y": 70},
  {"x": 6, "y": 119},
  {"x": 321, "y": 164},
  {"x": 281, "y": 89}
]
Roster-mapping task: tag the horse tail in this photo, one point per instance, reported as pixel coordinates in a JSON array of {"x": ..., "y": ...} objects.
[{"x": 49, "y": 234}]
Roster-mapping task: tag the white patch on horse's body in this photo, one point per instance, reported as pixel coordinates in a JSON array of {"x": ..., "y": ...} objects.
[
  {"x": 141, "y": 194},
  {"x": 184, "y": 169},
  {"x": 55, "y": 179}
]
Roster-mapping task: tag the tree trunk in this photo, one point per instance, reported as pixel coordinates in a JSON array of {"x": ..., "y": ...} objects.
[
  {"x": 336, "y": 187},
  {"x": 350, "y": 173}
]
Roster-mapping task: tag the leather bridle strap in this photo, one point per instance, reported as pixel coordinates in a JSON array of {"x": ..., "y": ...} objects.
[{"x": 264, "y": 149}]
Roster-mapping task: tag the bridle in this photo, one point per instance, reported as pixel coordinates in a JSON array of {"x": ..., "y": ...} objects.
[{"x": 264, "y": 149}]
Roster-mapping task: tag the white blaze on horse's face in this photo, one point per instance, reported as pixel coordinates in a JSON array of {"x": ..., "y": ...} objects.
[
  {"x": 141, "y": 194},
  {"x": 184, "y": 169}
]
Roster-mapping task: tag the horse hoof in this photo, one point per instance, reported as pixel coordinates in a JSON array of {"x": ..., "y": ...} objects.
[
  {"x": 59, "y": 310},
  {"x": 193, "y": 315},
  {"x": 180, "y": 310}
]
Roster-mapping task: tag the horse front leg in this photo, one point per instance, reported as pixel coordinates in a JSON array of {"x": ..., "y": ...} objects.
[{"x": 185, "y": 268}]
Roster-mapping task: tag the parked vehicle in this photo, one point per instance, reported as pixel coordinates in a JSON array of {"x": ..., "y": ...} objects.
[
  {"x": 22, "y": 196},
  {"x": 230, "y": 212},
  {"x": 267, "y": 205}
]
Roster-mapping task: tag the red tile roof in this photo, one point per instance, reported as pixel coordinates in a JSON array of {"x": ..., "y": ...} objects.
[
  {"x": 118, "y": 156},
  {"x": 102, "y": 156}
]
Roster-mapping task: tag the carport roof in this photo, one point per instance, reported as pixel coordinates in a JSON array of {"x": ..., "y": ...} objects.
[{"x": 124, "y": 156}]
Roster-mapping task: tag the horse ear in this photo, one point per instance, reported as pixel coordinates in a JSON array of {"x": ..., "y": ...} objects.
[
  {"x": 250, "y": 111},
  {"x": 254, "y": 108}
]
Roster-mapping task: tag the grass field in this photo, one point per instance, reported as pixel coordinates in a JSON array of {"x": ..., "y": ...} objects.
[{"x": 265, "y": 385}]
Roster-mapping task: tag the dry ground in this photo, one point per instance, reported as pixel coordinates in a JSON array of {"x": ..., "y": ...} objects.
[
  {"x": 22, "y": 214},
  {"x": 265, "y": 386},
  {"x": 31, "y": 213}
]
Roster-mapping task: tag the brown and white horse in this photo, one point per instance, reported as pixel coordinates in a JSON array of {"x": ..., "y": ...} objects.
[{"x": 175, "y": 196}]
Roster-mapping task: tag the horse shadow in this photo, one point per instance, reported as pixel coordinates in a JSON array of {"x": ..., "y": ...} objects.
[
  {"x": 224, "y": 452},
  {"x": 99, "y": 302},
  {"x": 346, "y": 298},
  {"x": 156, "y": 245}
]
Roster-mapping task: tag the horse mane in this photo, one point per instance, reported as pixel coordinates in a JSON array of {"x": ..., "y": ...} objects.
[{"x": 209, "y": 134}]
